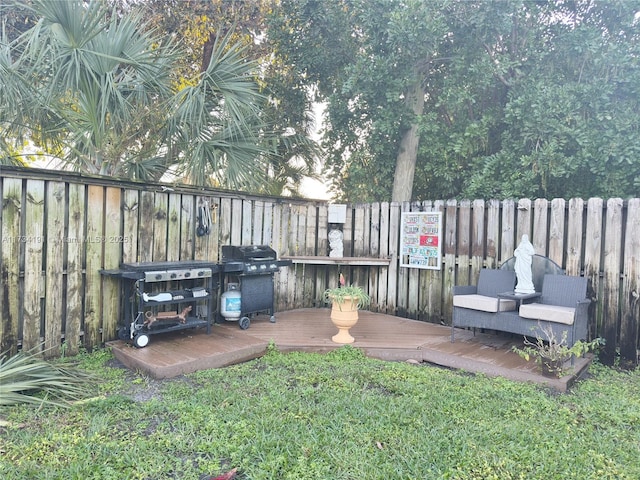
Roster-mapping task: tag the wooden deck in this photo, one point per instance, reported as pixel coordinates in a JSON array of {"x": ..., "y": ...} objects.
[{"x": 380, "y": 336}]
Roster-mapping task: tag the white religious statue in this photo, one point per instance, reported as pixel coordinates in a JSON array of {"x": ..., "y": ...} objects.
[
  {"x": 336, "y": 247},
  {"x": 524, "y": 255}
]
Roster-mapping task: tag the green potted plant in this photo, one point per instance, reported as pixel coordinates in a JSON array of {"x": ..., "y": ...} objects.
[
  {"x": 551, "y": 353},
  {"x": 345, "y": 301}
]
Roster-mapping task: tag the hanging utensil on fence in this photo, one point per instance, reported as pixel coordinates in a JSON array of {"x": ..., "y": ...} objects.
[{"x": 204, "y": 220}]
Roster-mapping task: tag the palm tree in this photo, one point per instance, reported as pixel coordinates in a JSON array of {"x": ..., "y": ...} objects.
[{"x": 94, "y": 90}]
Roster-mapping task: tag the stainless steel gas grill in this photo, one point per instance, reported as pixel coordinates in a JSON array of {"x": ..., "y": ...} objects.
[
  {"x": 166, "y": 296},
  {"x": 252, "y": 267}
]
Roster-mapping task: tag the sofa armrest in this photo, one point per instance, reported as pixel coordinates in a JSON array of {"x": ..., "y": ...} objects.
[
  {"x": 581, "y": 323},
  {"x": 465, "y": 289}
]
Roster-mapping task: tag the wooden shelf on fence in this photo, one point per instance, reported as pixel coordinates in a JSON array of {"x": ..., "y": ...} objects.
[{"x": 363, "y": 261}]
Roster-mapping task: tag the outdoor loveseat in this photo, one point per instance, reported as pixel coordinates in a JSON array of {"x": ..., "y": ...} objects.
[{"x": 562, "y": 306}]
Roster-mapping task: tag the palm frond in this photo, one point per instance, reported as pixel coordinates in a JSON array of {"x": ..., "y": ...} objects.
[{"x": 26, "y": 378}]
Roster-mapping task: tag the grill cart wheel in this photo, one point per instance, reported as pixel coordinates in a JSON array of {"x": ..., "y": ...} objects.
[
  {"x": 244, "y": 323},
  {"x": 273, "y": 319},
  {"x": 141, "y": 340}
]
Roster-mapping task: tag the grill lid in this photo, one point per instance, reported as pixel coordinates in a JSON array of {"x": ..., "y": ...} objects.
[{"x": 248, "y": 253}]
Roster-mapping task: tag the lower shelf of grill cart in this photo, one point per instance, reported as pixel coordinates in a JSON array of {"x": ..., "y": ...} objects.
[{"x": 163, "y": 326}]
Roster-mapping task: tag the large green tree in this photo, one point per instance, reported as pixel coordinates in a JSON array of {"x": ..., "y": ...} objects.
[
  {"x": 483, "y": 99},
  {"x": 97, "y": 90},
  {"x": 568, "y": 122}
]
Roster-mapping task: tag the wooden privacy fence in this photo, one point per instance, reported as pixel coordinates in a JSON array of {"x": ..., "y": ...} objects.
[{"x": 59, "y": 230}]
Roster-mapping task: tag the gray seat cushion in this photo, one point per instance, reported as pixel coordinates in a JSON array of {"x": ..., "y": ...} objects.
[
  {"x": 550, "y": 313},
  {"x": 483, "y": 303}
]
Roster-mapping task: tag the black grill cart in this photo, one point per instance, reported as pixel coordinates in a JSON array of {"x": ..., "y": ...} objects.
[{"x": 160, "y": 297}]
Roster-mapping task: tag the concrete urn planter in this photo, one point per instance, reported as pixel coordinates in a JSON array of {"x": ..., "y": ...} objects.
[{"x": 344, "y": 315}]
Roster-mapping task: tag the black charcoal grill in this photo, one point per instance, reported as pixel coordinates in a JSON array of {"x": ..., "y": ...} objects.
[{"x": 253, "y": 266}]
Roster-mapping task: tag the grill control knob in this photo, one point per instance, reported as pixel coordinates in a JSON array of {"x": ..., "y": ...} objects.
[
  {"x": 187, "y": 274},
  {"x": 159, "y": 276},
  {"x": 174, "y": 275},
  {"x": 263, "y": 267},
  {"x": 200, "y": 273},
  {"x": 253, "y": 268},
  {"x": 273, "y": 266}
]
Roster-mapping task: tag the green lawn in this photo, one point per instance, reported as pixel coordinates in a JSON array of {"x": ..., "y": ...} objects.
[{"x": 333, "y": 416}]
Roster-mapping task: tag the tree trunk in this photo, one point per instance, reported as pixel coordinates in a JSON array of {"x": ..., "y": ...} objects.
[
  {"x": 408, "y": 153},
  {"x": 207, "y": 50}
]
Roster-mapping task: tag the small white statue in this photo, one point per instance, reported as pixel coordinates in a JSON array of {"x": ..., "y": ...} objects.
[
  {"x": 336, "y": 247},
  {"x": 524, "y": 255}
]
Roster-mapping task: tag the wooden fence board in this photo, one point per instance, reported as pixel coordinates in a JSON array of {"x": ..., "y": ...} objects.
[
  {"x": 284, "y": 214},
  {"x": 322, "y": 250},
  {"x": 300, "y": 238},
  {"x": 236, "y": 221},
  {"x": 247, "y": 222},
  {"x": 112, "y": 241},
  {"x": 361, "y": 242},
  {"x": 556, "y": 231},
  {"x": 540, "y": 236},
  {"x": 450, "y": 225},
  {"x": 310, "y": 231},
  {"x": 145, "y": 232},
  {"x": 360, "y": 225},
  {"x": 463, "y": 242},
  {"x": 213, "y": 239},
  {"x": 33, "y": 245},
  {"x": 611, "y": 279},
  {"x": 278, "y": 243},
  {"x": 478, "y": 240},
  {"x": 258, "y": 223},
  {"x": 93, "y": 299},
  {"x": 493, "y": 235},
  {"x": 592, "y": 260},
  {"x": 402, "y": 283},
  {"x": 130, "y": 222},
  {"x": 214, "y": 250},
  {"x": 174, "y": 206},
  {"x": 10, "y": 298},
  {"x": 292, "y": 242},
  {"x": 187, "y": 227},
  {"x": 347, "y": 231},
  {"x": 383, "y": 272},
  {"x": 394, "y": 253},
  {"x": 374, "y": 251},
  {"x": 75, "y": 244},
  {"x": 225, "y": 221},
  {"x": 436, "y": 290},
  {"x": 507, "y": 244},
  {"x": 267, "y": 229},
  {"x": 524, "y": 219},
  {"x": 54, "y": 278},
  {"x": 413, "y": 283},
  {"x": 574, "y": 236},
  {"x": 630, "y": 305},
  {"x": 296, "y": 284},
  {"x": 160, "y": 222}
]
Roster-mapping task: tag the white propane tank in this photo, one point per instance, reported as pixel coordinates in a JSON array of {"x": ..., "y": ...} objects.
[{"x": 231, "y": 303}]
